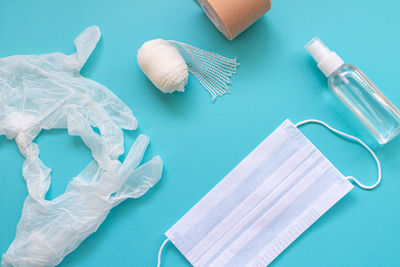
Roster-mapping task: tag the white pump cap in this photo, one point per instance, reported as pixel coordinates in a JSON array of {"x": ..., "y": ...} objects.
[{"x": 328, "y": 61}]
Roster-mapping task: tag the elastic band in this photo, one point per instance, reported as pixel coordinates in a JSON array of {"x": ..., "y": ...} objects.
[
  {"x": 160, "y": 251},
  {"x": 354, "y": 139}
]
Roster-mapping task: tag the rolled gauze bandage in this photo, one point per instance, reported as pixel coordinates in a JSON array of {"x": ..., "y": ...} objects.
[
  {"x": 231, "y": 17},
  {"x": 168, "y": 63},
  {"x": 163, "y": 65}
]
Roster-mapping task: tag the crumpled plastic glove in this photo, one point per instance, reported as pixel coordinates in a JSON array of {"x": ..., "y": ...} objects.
[
  {"x": 49, "y": 230},
  {"x": 45, "y": 92}
]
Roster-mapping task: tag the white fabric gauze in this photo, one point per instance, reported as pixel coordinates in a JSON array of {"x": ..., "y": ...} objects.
[
  {"x": 167, "y": 64},
  {"x": 45, "y": 92},
  {"x": 266, "y": 202}
]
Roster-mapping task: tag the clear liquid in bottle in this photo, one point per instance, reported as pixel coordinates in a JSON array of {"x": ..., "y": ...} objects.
[
  {"x": 366, "y": 101},
  {"x": 360, "y": 95}
]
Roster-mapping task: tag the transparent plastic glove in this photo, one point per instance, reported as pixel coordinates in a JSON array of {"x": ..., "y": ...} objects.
[
  {"x": 45, "y": 92},
  {"x": 49, "y": 230}
]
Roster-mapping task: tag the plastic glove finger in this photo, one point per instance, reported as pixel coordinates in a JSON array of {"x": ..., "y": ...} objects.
[
  {"x": 85, "y": 44},
  {"x": 110, "y": 133},
  {"x": 132, "y": 160},
  {"x": 116, "y": 109},
  {"x": 141, "y": 179},
  {"x": 89, "y": 174},
  {"x": 36, "y": 174},
  {"x": 136, "y": 153},
  {"x": 78, "y": 125}
]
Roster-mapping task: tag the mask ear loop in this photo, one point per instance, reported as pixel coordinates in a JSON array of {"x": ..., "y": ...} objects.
[
  {"x": 354, "y": 139},
  {"x": 160, "y": 251}
]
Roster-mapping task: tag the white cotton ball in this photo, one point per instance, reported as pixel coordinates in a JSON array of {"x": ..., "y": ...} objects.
[{"x": 163, "y": 65}]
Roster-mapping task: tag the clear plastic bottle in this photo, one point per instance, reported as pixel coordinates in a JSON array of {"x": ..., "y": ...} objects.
[{"x": 359, "y": 94}]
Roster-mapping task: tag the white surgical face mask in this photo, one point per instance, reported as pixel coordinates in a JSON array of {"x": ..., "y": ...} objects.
[{"x": 266, "y": 202}]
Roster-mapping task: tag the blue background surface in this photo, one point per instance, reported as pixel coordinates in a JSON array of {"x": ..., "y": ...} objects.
[{"x": 201, "y": 141}]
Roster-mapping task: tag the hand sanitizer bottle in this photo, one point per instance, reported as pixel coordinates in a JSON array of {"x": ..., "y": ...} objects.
[{"x": 359, "y": 94}]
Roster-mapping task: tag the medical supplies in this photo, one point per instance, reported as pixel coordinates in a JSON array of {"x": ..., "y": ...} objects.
[
  {"x": 46, "y": 92},
  {"x": 232, "y": 17},
  {"x": 167, "y": 64},
  {"x": 276, "y": 193},
  {"x": 360, "y": 95}
]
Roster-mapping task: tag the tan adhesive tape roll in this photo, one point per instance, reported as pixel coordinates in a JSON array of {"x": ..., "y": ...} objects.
[{"x": 231, "y": 17}]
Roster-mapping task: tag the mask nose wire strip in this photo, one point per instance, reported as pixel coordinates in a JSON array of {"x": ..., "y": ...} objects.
[
  {"x": 354, "y": 139},
  {"x": 160, "y": 251}
]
